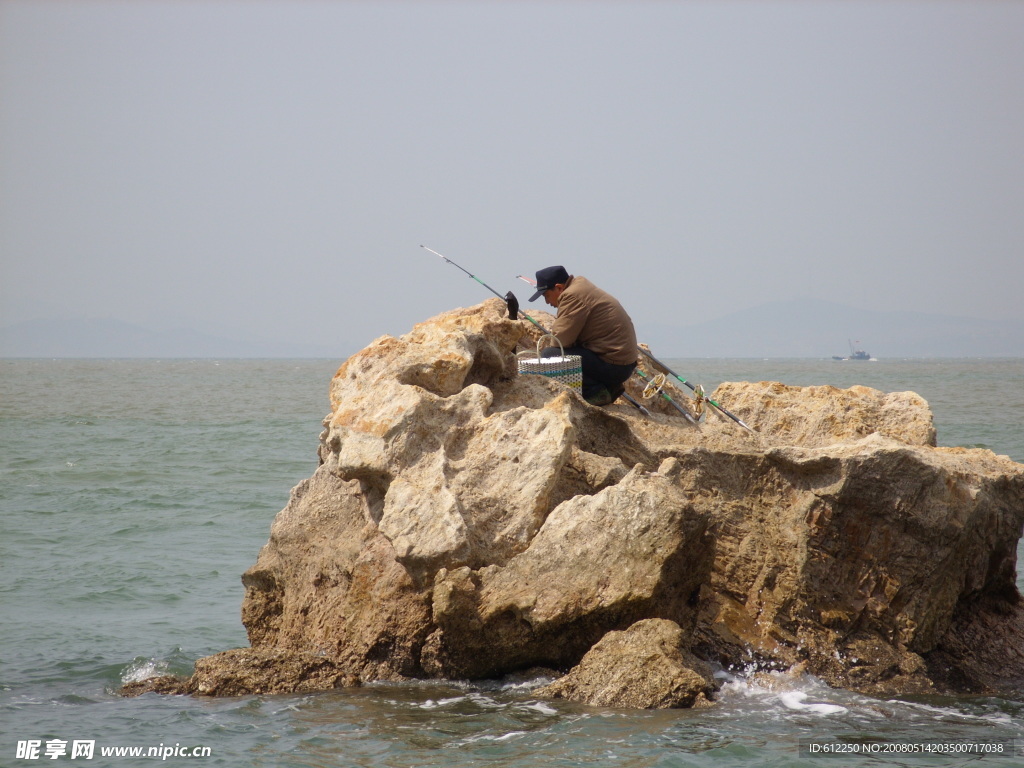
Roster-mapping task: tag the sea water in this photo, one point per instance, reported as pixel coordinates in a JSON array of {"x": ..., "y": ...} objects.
[{"x": 133, "y": 494}]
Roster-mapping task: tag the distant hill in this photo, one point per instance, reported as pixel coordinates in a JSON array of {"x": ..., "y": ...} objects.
[
  {"x": 820, "y": 329},
  {"x": 808, "y": 328},
  {"x": 114, "y": 338}
]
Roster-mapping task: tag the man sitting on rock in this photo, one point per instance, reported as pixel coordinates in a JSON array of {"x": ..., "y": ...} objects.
[{"x": 592, "y": 324}]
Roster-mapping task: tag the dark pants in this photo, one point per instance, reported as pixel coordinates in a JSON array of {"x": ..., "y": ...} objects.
[{"x": 597, "y": 374}]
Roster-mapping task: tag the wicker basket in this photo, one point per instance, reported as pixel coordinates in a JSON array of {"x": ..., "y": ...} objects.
[{"x": 567, "y": 369}]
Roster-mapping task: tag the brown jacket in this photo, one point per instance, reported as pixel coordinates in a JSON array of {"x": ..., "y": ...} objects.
[{"x": 590, "y": 318}]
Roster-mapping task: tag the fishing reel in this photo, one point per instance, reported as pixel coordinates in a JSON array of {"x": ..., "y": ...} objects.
[
  {"x": 698, "y": 400},
  {"x": 654, "y": 386}
]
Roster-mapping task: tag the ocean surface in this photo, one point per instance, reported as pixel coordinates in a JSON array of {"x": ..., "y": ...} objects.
[{"x": 134, "y": 493}]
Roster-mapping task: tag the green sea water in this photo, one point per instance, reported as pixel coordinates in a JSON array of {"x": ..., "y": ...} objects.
[{"x": 133, "y": 493}]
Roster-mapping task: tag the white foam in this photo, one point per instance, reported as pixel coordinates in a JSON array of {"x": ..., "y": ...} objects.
[
  {"x": 795, "y": 700},
  {"x": 539, "y": 706},
  {"x": 510, "y": 735},
  {"x": 143, "y": 670},
  {"x": 943, "y": 713},
  {"x": 526, "y": 684},
  {"x": 489, "y": 737},
  {"x": 431, "y": 704},
  {"x": 486, "y": 702},
  {"x": 788, "y": 688}
]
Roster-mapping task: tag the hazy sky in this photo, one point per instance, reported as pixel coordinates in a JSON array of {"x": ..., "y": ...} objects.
[{"x": 270, "y": 169}]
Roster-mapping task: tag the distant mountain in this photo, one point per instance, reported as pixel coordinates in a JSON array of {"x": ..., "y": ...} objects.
[
  {"x": 820, "y": 329},
  {"x": 81, "y": 337},
  {"x": 808, "y": 328}
]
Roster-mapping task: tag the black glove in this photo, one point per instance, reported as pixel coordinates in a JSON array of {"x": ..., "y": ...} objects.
[{"x": 513, "y": 305}]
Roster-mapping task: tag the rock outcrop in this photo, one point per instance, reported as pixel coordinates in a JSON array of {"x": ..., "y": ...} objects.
[
  {"x": 249, "y": 671},
  {"x": 466, "y": 522},
  {"x": 647, "y": 666},
  {"x": 626, "y": 553}
]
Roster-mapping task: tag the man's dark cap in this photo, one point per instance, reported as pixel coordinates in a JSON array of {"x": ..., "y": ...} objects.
[{"x": 548, "y": 278}]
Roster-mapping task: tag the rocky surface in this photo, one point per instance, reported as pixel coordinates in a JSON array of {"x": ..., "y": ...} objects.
[
  {"x": 246, "y": 671},
  {"x": 826, "y": 415},
  {"x": 466, "y": 522},
  {"x": 647, "y": 666},
  {"x": 629, "y": 552}
]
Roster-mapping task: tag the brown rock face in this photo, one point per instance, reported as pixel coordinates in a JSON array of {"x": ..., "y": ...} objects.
[
  {"x": 547, "y": 606},
  {"x": 328, "y": 582},
  {"x": 646, "y": 666},
  {"x": 248, "y": 671},
  {"x": 857, "y": 557},
  {"x": 825, "y": 415},
  {"x": 466, "y": 522}
]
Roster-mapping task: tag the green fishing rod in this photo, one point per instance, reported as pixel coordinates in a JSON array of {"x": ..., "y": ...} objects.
[
  {"x": 700, "y": 394},
  {"x": 637, "y": 372},
  {"x": 513, "y": 303},
  {"x": 485, "y": 285},
  {"x": 666, "y": 396}
]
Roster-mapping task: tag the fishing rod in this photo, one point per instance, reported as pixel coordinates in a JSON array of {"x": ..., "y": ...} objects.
[
  {"x": 513, "y": 303},
  {"x": 700, "y": 396},
  {"x": 666, "y": 396},
  {"x": 637, "y": 372},
  {"x": 485, "y": 285}
]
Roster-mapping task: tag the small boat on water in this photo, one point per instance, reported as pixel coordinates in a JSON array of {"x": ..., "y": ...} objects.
[{"x": 855, "y": 354}]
